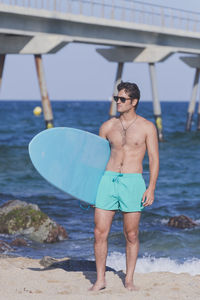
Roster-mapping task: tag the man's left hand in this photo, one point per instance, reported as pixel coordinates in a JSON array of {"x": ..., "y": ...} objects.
[{"x": 148, "y": 197}]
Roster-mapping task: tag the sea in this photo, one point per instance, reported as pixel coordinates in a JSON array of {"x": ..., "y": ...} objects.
[{"x": 162, "y": 248}]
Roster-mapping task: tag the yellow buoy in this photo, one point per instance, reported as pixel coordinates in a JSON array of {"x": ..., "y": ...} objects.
[
  {"x": 49, "y": 125},
  {"x": 37, "y": 110}
]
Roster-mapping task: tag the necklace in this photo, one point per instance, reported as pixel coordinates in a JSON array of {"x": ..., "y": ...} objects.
[{"x": 125, "y": 129}]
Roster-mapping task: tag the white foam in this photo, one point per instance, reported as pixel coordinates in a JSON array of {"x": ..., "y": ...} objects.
[
  {"x": 149, "y": 264},
  {"x": 164, "y": 221}
]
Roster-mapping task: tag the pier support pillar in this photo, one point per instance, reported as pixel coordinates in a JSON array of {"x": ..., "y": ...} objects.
[
  {"x": 198, "y": 118},
  {"x": 46, "y": 104},
  {"x": 191, "y": 106},
  {"x": 113, "y": 105},
  {"x": 193, "y": 62},
  {"x": 156, "y": 102},
  {"x": 2, "y": 61}
]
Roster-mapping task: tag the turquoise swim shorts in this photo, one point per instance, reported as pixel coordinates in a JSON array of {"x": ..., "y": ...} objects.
[{"x": 121, "y": 191}]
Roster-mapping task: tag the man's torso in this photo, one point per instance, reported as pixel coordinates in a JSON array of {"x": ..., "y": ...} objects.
[{"x": 128, "y": 147}]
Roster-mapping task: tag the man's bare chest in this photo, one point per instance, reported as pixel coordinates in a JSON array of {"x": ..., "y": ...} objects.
[{"x": 131, "y": 138}]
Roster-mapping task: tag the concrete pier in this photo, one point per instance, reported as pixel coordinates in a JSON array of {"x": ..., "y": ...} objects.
[
  {"x": 72, "y": 23},
  {"x": 113, "y": 105},
  {"x": 48, "y": 114},
  {"x": 151, "y": 35}
]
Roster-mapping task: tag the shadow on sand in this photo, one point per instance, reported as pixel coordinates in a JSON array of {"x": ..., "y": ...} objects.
[{"x": 87, "y": 267}]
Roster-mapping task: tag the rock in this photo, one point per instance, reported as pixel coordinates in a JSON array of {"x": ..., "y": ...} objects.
[
  {"x": 181, "y": 222},
  {"x": 19, "y": 242},
  {"x": 4, "y": 247},
  {"x": 57, "y": 233},
  {"x": 19, "y": 217},
  {"x": 48, "y": 261},
  {"x": 13, "y": 204}
]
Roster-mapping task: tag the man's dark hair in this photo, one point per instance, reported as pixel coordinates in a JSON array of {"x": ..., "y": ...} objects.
[{"x": 131, "y": 89}]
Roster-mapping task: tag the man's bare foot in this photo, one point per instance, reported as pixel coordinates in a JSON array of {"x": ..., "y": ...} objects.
[
  {"x": 98, "y": 286},
  {"x": 131, "y": 287}
]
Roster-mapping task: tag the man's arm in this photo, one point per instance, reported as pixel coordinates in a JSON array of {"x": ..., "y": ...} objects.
[
  {"x": 104, "y": 129},
  {"x": 153, "y": 154}
]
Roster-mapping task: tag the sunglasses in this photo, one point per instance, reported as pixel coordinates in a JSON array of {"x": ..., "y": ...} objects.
[{"x": 122, "y": 99}]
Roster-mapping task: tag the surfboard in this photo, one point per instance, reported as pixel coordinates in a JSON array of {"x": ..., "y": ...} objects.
[{"x": 71, "y": 159}]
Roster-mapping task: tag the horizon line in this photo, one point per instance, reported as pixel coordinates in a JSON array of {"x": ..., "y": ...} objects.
[{"x": 86, "y": 100}]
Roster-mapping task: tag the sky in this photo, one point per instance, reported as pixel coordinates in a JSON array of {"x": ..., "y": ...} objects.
[{"x": 78, "y": 72}]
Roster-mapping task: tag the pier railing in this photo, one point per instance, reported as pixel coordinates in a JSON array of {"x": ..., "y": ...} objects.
[{"x": 131, "y": 11}]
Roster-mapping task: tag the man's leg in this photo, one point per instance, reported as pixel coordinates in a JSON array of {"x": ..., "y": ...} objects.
[
  {"x": 103, "y": 221},
  {"x": 131, "y": 225}
]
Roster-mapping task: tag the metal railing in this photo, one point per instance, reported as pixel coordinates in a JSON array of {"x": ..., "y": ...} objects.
[{"x": 131, "y": 11}]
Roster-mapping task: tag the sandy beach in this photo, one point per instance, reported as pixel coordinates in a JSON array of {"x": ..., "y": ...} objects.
[{"x": 23, "y": 278}]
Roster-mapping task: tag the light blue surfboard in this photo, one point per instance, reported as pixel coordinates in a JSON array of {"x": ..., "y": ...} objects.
[{"x": 72, "y": 160}]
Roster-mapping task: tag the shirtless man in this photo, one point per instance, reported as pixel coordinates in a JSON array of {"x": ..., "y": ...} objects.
[{"x": 122, "y": 186}]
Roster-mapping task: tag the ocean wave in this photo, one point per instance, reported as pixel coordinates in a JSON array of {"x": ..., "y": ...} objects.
[{"x": 149, "y": 264}]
